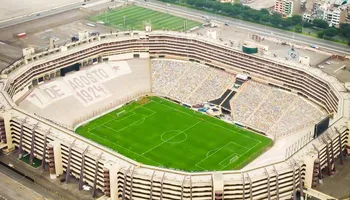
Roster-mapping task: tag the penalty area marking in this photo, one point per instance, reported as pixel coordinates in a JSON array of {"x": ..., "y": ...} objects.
[{"x": 214, "y": 151}]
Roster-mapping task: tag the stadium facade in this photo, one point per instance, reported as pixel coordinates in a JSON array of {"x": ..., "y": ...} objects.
[{"x": 121, "y": 178}]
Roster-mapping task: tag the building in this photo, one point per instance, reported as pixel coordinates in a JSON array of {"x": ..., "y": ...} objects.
[
  {"x": 287, "y": 7},
  {"x": 334, "y": 16},
  {"x": 333, "y": 13},
  {"x": 119, "y": 177}
]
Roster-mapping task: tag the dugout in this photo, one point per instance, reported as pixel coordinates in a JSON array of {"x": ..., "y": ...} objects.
[{"x": 75, "y": 67}]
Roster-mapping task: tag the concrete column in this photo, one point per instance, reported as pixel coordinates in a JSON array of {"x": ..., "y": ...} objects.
[
  {"x": 43, "y": 161},
  {"x": 182, "y": 187},
  {"x": 268, "y": 184},
  {"x": 9, "y": 142},
  {"x": 20, "y": 150},
  {"x": 277, "y": 183},
  {"x": 161, "y": 186},
  {"x": 95, "y": 177},
  {"x": 113, "y": 178},
  {"x": 32, "y": 145},
  {"x": 243, "y": 186},
  {"x": 125, "y": 180},
  {"x": 58, "y": 157},
  {"x": 82, "y": 168},
  {"x": 69, "y": 161},
  {"x": 218, "y": 186}
]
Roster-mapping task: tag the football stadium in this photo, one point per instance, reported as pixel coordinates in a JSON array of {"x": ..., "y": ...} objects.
[{"x": 174, "y": 115}]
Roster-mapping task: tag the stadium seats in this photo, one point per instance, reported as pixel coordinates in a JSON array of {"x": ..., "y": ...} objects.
[
  {"x": 271, "y": 110},
  {"x": 188, "y": 82}
]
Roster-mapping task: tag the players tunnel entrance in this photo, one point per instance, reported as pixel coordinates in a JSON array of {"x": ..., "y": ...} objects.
[{"x": 75, "y": 67}]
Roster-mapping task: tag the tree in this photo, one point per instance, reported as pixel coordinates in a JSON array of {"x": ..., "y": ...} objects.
[
  {"x": 320, "y": 34},
  {"x": 298, "y": 29},
  {"x": 264, "y": 11},
  {"x": 286, "y": 23},
  {"x": 320, "y": 23},
  {"x": 307, "y": 24},
  {"x": 344, "y": 29},
  {"x": 331, "y": 32},
  {"x": 296, "y": 19},
  {"x": 265, "y": 18},
  {"x": 276, "y": 19}
]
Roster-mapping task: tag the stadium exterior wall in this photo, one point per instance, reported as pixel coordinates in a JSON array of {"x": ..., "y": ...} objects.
[{"x": 122, "y": 178}]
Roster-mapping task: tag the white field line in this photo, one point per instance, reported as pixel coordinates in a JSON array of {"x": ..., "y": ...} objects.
[
  {"x": 165, "y": 141},
  {"x": 230, "y": 156},
  {"x": 125, "y": 127},
  {"x": 213, "y": 124},
  {"x": 213, "y": 153},
  {"x": 119, "y": 120},
  {"x": 114, "y": 119},
  {"x": 244, "y": 154}
]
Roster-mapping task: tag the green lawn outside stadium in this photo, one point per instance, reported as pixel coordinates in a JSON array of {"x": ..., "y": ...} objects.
[
  {"x": 165, "y": 134},
  {"x": 136, "y": 17}
]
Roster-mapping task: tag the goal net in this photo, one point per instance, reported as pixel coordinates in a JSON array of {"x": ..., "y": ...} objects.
[{"x": 121, "y": 113}]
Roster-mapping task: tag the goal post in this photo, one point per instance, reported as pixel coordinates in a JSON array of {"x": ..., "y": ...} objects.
[{"x": 121, "y": 113}]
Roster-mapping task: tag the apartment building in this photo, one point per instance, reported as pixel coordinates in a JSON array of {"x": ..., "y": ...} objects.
[{"x": 287, "y": 7}]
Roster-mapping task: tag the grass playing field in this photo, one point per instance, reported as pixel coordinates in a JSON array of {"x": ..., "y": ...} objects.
[
  {"x": 161, "y": 133},
  {"x": 136, "y": 17}
]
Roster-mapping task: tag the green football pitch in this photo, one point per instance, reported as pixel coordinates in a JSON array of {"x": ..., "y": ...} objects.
[
  {"x": 158, "y": 132},
  {"x": 136, "y": 17}
]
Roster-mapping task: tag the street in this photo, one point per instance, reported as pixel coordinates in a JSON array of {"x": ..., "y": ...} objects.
[
  {"x": 256, "y": 28},
  {"x": 15, "y": 187},
  {"x": 187, "y": 12}
]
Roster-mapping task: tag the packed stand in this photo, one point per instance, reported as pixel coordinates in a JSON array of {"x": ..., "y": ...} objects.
[
  {"x": 213, "y": 87},
  {"x": 298, "y": 116},
  {"x": 188, "y": 82},
  {"x": 247, "y": 100},
  {"x": 166, "y": 74},
  {"x": 271, "y": 109}
]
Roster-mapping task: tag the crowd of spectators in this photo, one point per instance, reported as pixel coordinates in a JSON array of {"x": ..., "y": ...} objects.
[
  {"x": 271, "y": 110},
  {"x": 188, "y": 82},
  {"x": 212, "y": 87},
  {"x": 298, "y": 116},
  {"x": 166, "y": 74},
  {"x": 247, "y": 100}
]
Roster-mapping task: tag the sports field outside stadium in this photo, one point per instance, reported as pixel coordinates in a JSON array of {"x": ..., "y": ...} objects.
[
  {"x": 136, "y": 18},
  {"x": 158, "y": 132}
]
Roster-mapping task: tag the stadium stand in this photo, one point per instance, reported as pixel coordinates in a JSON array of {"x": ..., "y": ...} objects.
[
  {"x": 300, "y": 114},
  {"x": 188, "y": 82},
  {"x": 271, "y": 110}
]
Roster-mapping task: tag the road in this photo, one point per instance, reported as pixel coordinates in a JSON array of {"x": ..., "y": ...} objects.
[
  {"x": 251, "y": 27},
  {"x": 13, "y": 186},
  {"x": 45, "y": 13}
]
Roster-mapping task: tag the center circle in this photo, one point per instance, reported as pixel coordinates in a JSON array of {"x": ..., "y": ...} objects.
[{"x": 173, "y": 136}]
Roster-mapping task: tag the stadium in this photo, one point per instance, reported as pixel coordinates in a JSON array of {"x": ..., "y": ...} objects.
[{"x": 123, "y": 113}]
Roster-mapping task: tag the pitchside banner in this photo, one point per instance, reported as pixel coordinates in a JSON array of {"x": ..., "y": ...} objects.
[{"x": 86, "y": 85}]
